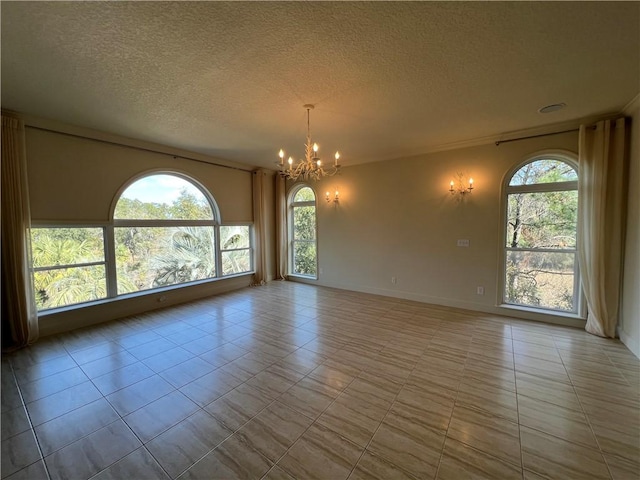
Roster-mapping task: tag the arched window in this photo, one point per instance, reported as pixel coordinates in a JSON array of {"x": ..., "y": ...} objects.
[
  {"x": 165, "y": 233},
  {"x": 165, "y": 230},
  {"x": 540, "y": 263},
  {"x": 302, "y": 232}
]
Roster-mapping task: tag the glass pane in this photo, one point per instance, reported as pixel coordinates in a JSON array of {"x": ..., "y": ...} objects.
[
  {"x": 542, "y": 220},
  {"x": 540, "y": 279},
  {"x": 234, "y": 237},
  {"x": 163, "y": 197},
  {"x": 304, "y": 223},
  {"x": 66, "y": 246},
  {"x": 68, "y": 286},
  {"x": 151, "y": 257},
  {"x": 544, "y": 171},
  {"x": 238, "y": 261},
  {"x": 304, "y": 258},
  {"x": 305, "y": 194}
]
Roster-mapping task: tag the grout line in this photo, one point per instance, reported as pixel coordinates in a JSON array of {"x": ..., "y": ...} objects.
[
  {"x": 234, "y": 432},
  {"x": 351, "y": 327},
  {"x": 455, "y": 401},
  {"x": 313, "y": 421},
  {"x": 391, "y": 404},
  {"x": 515, "y": 381},
  {"x": 31, "y": 427},
  {"x": 586, "y": 416}
]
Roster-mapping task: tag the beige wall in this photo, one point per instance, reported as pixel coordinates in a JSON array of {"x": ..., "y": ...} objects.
[
  {"x": 629, "y": 327},
  {"x": 73, "y": 178},
  {"x": 397, "y": 219}
]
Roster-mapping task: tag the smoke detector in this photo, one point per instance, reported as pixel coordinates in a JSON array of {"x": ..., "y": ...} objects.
[{"x": 552, "y": 108}]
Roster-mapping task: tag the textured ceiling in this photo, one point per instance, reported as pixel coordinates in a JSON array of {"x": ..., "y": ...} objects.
[{"x": 388, "y": 79}]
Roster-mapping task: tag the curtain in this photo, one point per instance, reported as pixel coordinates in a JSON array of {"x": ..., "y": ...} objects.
[
  {"x": 601, "y": 211},
  {"x": 260, "y": 226},
  {"x": 19, "y": 312},
  {"x": 282, "y": 240}
]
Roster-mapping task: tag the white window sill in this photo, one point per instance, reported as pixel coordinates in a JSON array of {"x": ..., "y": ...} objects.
[
  {"x": 542, "y": 311},
  {"x": 304, "y": 277},
  {"x": 143, "y": 293}
]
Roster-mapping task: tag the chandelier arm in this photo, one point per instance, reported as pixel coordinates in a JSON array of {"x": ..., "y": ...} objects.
[{"x": 311, "y": 167}]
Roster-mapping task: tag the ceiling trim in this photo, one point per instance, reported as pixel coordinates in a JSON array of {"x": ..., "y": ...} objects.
[
  {"x": 634, "y": 104},
  {"x": 113, "y": 139},
  {"x": 515, "y": 134},
  {"x": 96, "y": 135}
]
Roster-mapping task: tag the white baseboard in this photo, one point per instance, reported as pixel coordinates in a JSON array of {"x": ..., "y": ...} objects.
[
  {"x": 631, "y": 343},
  {"x": 449, "y": 302}
]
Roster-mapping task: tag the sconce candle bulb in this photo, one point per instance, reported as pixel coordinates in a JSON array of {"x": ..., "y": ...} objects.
[
  {"x": 336, "y": 197},
  {"x": 461, "y": 186}
]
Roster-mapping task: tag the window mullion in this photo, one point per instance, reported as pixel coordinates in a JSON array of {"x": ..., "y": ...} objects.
[
  {"x": 235, "y": 249},
  {"x": 218, "y": 251},
  {"x": 70, "y": 265},
  {"x": 110, "y": 257},
  {"x": 165, "y": 223},
  {"x": 541, "y": 250},
  {"x": 542, "y": 187}
]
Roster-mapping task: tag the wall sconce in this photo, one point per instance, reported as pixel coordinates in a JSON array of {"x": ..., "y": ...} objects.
[
  {"x": 335, "y": 199},
  {"x": 461, "y": 186}
]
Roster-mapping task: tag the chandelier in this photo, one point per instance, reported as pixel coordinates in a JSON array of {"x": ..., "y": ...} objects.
[{"x": 311, "y": 167}]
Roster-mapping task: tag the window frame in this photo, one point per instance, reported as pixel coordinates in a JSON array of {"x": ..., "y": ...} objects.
[
  {"x": 571, "y": 160},
  {"x": 71, "y": 225},
  {"x": 109, "y": 246},
  {"x": 166, "y": 223},
  {"x": 292, "y": 204},
  {"x": 250, "y": 248}
]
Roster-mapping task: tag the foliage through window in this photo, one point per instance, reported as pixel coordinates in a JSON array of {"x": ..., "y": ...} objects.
[
  {"x": 302, "y": 234},
  {"x": 235, "y": 249},
  {"x": 540, "y": 250},
  {"x": 68, "y": 266},
  {"x": 165, "y": 232}
]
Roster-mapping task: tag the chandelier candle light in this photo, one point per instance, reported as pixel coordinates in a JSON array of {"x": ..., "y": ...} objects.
[{"x": 311, "y": 167}]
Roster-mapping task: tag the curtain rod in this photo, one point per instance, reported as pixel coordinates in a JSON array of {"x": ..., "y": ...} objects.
[
  {"x": 535, "y": 136},
  {"x": 541, "y": 135},
  {"x": 109, "y": 142}
]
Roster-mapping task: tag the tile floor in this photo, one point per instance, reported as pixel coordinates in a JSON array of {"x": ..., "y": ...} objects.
[{"x": 293, "y": 381}]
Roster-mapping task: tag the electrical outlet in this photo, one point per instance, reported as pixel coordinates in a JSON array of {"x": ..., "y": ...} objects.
[
  {"x": 394, "y": 280},
  {"x": 463, "y": 243},
  {"x": 480, "y": 291},
  {"x": 321, "y": 271}
]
